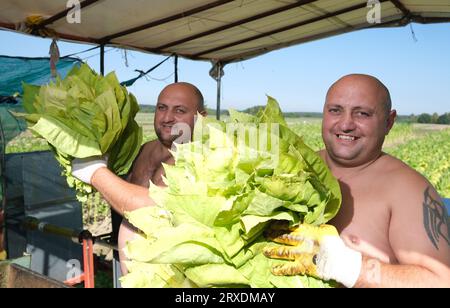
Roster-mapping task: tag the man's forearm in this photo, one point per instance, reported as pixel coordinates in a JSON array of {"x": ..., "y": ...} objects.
[
  {"x": 375, "y": 274},
  {"x": 121, "y": 195}
]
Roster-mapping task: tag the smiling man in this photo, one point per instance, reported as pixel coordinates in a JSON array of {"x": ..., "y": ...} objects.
[
  {"x": 392, "y": 229},
  {"x": 357, "y": 117},
  {"x": 177, "y": 106},
  {"x": 390, "y": 213}
]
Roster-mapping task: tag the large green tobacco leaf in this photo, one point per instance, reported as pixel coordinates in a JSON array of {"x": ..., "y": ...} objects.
[
  {"x": 85, "y": 115},
  {"x": 222, "y": 193},
  {"x": 65, "y": 139}
]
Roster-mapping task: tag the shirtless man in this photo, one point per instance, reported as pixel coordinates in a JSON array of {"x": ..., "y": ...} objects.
[
  {"x": 392, "y": 221},
  {"x": 178, "y": 103}
]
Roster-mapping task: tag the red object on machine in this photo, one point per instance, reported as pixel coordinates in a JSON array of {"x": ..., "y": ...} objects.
[
  {"x": 88, "y": 262},
  {"x": 2, "y": 244},
  {"x": 84, "y": 237},
  {"x": 88, "y": 265}
]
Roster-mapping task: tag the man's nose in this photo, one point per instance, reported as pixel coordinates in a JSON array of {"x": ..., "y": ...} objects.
[
  {"x": 347, "y": 123},
  {"x": 168, "y": 116}
]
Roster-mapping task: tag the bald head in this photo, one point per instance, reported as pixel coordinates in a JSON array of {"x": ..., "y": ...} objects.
[
  {"x": 185, "y": 89},
  {"x": 357, "y": 116},
  {"x": 178, "y": 104},
  {"x": 367, "y": 83}
]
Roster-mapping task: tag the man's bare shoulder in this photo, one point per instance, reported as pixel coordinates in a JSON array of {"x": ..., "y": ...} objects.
[
  {"x": 150, "y": 145},
  {"x": 145, "y": 164},
  {"x": 147, "y": 149},
  {"x": 418, "y": 226},
  {"x": 398, "y": 172},
  {"x": 403, "y": 184},
  {"x": 141, "y": 161}
]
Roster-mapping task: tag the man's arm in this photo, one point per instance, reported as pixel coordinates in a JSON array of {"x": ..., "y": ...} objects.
[
  {"x": 375, "y": 274},
  {"x": 419, "y": 236},
  {"x": 121, "y": 195}
]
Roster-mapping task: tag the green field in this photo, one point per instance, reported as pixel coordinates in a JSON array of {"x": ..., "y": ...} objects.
[{"x": 425, "y": 147}]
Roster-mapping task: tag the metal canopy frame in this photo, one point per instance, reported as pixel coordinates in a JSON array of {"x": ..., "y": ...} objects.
[
  {"x": 274, "y": 24},
  {"x": 167, "y": 48}
]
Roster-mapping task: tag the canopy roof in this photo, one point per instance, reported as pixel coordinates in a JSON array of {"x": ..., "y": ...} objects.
[{"x": 217, "y": 30}]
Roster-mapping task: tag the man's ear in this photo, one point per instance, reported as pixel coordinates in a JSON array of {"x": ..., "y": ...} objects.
[
  {"x": 391, "y": 120},
  {"x": 204, "y": 113}
]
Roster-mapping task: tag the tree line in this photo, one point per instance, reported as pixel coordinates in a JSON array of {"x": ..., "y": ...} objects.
[
  {"x": 431, "y": 118},
  {"x": 421, "y": 118}
]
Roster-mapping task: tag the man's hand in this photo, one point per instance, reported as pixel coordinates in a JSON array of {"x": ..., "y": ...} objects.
[
  {"x": 84, "y": 168},
  {"x": 316, "y": 251}
]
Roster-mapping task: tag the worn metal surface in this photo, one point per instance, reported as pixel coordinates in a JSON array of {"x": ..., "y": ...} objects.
[
  {"x": 16, "y": 276},
  {"x": 214, "y": 30}
]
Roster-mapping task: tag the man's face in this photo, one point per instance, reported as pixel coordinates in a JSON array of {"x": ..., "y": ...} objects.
[
  {"x": 355, "y": 121},
  {"x": 177, "y": 104}
]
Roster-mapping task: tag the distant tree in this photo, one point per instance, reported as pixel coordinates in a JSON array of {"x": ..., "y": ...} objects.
[
  {"x": 253, "y": 110},
  {"x": 412, "y": 118},
  {"x": 434, "y": 118},
  {"x": 424, "y": 118},
  {"x": 444, "y": 119},
  {"x": 147, "y": 108}
]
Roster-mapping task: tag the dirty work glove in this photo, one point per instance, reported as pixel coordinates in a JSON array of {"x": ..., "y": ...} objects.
[
  {"x": 3, "y": 255},
  {"x": 84, "y": 168},
  {"x": 316, "y": 251}
]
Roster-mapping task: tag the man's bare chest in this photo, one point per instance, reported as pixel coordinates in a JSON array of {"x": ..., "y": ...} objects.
[
  {"x": 154, "y": 169},
  {"x": 363, "y": 221},
  {"x": 150, "y": 168}
]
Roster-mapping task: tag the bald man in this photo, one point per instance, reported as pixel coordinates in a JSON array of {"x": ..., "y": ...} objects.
[
  {"x": 392, "y": 229},
  {"x": 176, "y": 108},
  {"x": 390, "y": 212},
  {"x": 177, "y": 104}
]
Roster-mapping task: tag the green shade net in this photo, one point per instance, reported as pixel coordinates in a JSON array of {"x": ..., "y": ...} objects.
[{"x": 14, "y": 71}]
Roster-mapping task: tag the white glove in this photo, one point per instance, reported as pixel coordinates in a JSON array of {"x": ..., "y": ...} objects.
[
  {"x": 316, "y": 251},
  {"x": 84, "y": 168},
  {"x": 338, "y": 262}
]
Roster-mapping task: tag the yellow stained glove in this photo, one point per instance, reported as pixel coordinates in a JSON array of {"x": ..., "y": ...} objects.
[
  {"x": 3, "y": 255},
  {"x": 316, "y": 251}
]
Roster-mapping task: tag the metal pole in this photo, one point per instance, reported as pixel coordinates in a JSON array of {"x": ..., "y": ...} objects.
[
  {"x": 88, "y": 263},
  {"x": 176, "y": 68},
  {"x": 102, "y": 60},
  {"x": 34, "y": 224},
  {"x": 3, "y": 241},
  {"x": 84, "y": 237},
  {"x": 219, "y": 85}
]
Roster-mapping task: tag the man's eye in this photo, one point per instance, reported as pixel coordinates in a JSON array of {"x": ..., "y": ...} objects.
[
  {"x": 181, "y": 111},
  {"x": 333, "y": 110},
  {"x": 363, "y": 114},
  {"x": 161, "y": 107}
]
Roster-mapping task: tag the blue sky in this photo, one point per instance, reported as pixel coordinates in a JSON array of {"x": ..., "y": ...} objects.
[{"x": 416, "y": 72}]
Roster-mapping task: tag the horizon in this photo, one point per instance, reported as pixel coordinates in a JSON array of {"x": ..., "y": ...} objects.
[
  {"x": 412, "y": 61},
  {"x": 306, "y": 112}
]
